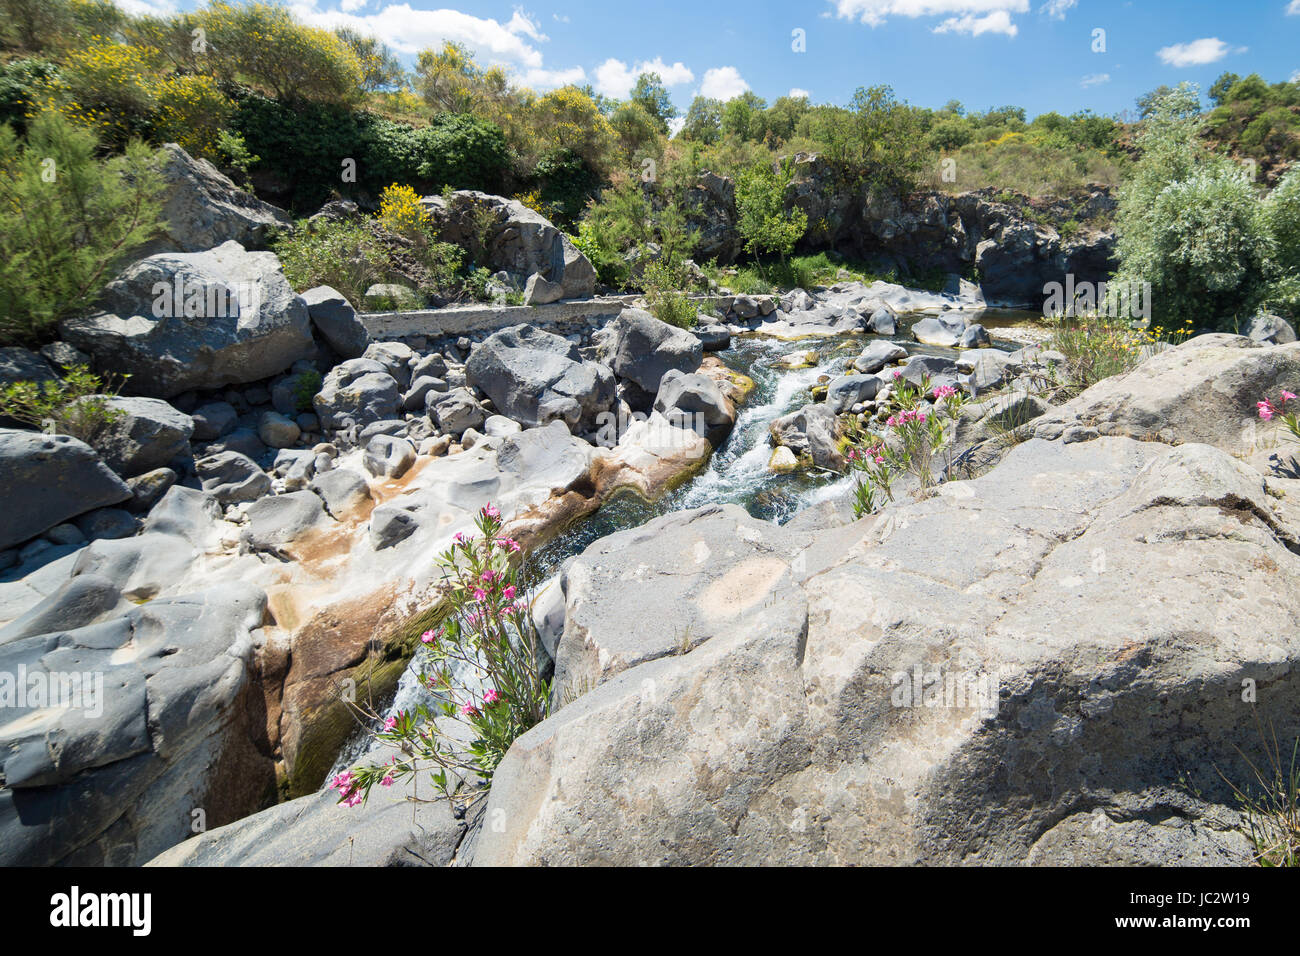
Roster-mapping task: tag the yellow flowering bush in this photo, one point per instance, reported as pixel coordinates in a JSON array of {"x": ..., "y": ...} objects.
[
  {"x": 401, "y": 211},
  {"x": 192, "y": 111},
  {"x": 262, "y": 44}
]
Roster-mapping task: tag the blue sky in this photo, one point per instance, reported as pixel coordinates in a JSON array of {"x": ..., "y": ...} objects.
[{"x": 1038, "y": 54}]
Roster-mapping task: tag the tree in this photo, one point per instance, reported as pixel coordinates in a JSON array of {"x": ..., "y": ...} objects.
[
  {"x": 652, "y": 96},
  {"x": 763, "y": 219},
  {"x": 703, "y": 121},
  {"x": 1189, "y": 220},
  {"x": 742, "y": 117},
  {"x": 264, "y": 45},
  {"x": 380, "y": 67},
  {"x": 68, "y": 221},
  {"x": 1219, "y": 89}
]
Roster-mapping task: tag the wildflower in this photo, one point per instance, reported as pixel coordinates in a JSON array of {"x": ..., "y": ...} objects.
[
  {"x": 488, "y": 576},
  {"x": 509, "y": 544},
  {"x": 342, "y": 781},
  {"x": 390, "y": 723},
  {"x": 387, "y": 781},
  {"x": 491, "y": 697},
  {"x": 1287, "y": 396},
  {"x": 945, "y": 391},
  {"x": 468, "y": 709},
  {"x": 898, "y": 373},
  {"x": 509, "y": 593},
  {"x": 480, "y": 595},
  {"x": 491, "y": 511},
  {"x": 1266, "y": 410},
  {"x": 459, "y": 538},
  {"x": 428, "y": 637},
  {"x": 352, "y": 799}
]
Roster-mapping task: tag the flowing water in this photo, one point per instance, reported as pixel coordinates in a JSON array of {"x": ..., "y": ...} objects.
[{"x": 737, "y": 472}]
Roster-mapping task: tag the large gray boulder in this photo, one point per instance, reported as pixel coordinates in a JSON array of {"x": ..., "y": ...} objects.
[
  {"x": 1205, "y": 390},
  {"x": 1084, "y": 665},
  {"x": 809, "y": 431},
  {"x": 845, "y": 391},
  {"x": 142, "y": 434},
  {"x": 357, "y": 392},
  {"x": 536, "y": 377},
  {"x": 336, "y": 320},
  {"x": 877, "y": 355},
  {"x": 695, "y": 401},
  {"x": 48, "y": 479},
  {"x": 159, "y": 723},
  {"x": 231, "y": 477},
  {"x": 1268, "y": 329},
  {"x": 199, "y": 320},
  {"x": 203, "y": 208},
  {"x": 639, "y": 347},
  {"x": 945, "y": 331},
  {"x": 520, "y": 240},
  {"x": 18, "y": 364}
]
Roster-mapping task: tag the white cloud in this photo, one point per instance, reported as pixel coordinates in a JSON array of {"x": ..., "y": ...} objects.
[
  {"x": 352, "y": 6},
  {"x": 963, "y": 16},
  {"x": 1056, "y": 8},
  {"x": 407, "y": 30},
  {"x": 1094, "y": 79},
  {"x": 722, "y": 83},
  {"x": 999, "y": 21},
  {"x": 796, "y": 92},
  {"x": 615, "y": 78},
  {"x": 522, "y": 23},
  {"x": 1295, "y": 77},
  {"x": 1196, "y": 53},
  {"x": 1293, "y": 8},
  {"x": 560, "y": 17},
  {"x": 554, "y": 79},
  {"x": 675, "y": 125}
]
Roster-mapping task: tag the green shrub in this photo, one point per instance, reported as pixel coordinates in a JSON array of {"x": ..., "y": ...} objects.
[
  {"x": 73, "y": 405},
  {"x": 68, "y": 221},
  {"x": 663, "y": 282},
  {"x": 305, "y": 386},
  {"x": 343, "y": 255},
  {"x": 764, "y": 221},
  {"x": 22, "y": 83}
]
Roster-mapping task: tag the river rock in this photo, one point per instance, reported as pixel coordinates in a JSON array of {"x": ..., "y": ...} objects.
[
  {"x": 536, "y": 377},
  {"x": 54, "y": 477},
  {"x": 639, "y": 347},
  {"x": 357, "y": 392},
  {"x": 388, "y": 457},
  {"x": 203, "y": 208},
  {"x": 336, "y": 320},
  {"x": 456, "y": 411},
  {"x": 809, "y": 431},
  {"x": 940, "y": 330},
  {"x": 1201, "y": 391},
  {"x": 235, "y": 319},
  {"x": 695, "y": 401},
  {"x": 519, "y": 240},
  {"x": 845, "y": 391},
  {"x": 877, "y": 355},
  {"x": 278, "y": 431},
  {"x": 1268, "y": 329},
  {"x": 931, "y": 706},
  {"x": 231, "y": 477},
  {"x": 142, "y": 434},
  {"x": 213, "y": 420}
]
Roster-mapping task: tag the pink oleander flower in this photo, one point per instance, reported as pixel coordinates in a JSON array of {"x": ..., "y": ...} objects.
[
  {"x": 491, "y": 511},
  {"x": 468, "y": 709},
  {"x": 898, "y": 373},
  {"x": 390, "y": 723},
  {"x": 488, "y": 576},
  {"x": 519, "y": 607},
  {"x": 945, "y": 391},
  {"x": 1266, "y": 410},
  {"x": 387, "y": 781},
  {"x": 1287, "y": 396},
  {"x": 480, "y": 595},
  {"x": 353, "y": 799},
  {"x": 428, "y": 637},
  {"x": 509, "y": 592},
  {"x": 342, "y": 781},
  {"x": 491, "y": 697},
  {"x": 459, "y": 537},
  {"x": 508, "y": 543}
]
